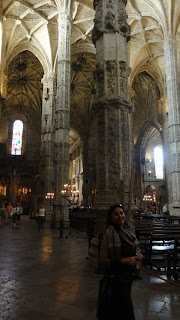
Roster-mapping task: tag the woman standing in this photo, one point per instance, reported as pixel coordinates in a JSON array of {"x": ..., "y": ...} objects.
[{"x": 119, "y": 256}]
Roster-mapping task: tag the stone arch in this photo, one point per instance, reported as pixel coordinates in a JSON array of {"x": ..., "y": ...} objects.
[
  {"x": 144, "y": 158},
  {"x": 151, "y": 190},
  {"x": 162, "y": 197},
  {"x": 24, "y": 86},
  {"x": 43, "y": 59},
  {"x": 75, "y": 166},
  {"x": 25, "y": 189},
  {"x": 148, "y": 130},
  {"x": 142, "y": 67}
]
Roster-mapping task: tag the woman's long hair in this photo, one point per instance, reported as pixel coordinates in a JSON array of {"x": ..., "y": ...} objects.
[{"x": 110, "y": 211}]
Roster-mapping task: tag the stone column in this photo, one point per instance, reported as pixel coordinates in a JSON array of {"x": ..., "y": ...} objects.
[
  {"x": 173, "y": 98},
  {"x": 1, "y": 59},
  {"x": 1, "y": 46},
  {"x": 62, "y": 113},
  {"x": 110, "y": 36},
  {"x": 47, "y": 139},
  {"x": 86, "y": 173}
]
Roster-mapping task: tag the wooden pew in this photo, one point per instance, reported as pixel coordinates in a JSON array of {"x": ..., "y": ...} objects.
[
  {"x": 157, "y": 242},
  {"x": 176, "y": 259}
]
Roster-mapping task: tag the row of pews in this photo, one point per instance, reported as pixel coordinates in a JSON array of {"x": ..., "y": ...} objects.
[{"x": 160, "y": 244}]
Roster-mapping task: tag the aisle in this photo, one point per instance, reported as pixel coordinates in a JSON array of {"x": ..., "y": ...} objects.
[{"x": 43, "y": 277}]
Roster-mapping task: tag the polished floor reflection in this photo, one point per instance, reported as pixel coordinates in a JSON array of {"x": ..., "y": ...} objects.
[{"x": 44, "y": 277}]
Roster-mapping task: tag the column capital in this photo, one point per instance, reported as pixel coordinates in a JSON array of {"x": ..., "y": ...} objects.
[
  {"x": 169, "y": 42},
  {"x": 49, "y": 77},
  {"x": 64, "y": 15},
  {"x": 110, "y": 17}
]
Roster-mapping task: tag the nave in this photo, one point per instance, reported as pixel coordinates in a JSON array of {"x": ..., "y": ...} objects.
[{"x": 43, "y": 277}]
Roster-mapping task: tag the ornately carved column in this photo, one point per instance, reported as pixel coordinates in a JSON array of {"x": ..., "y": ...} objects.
[
  {"x": 47, "y": 138},
  {"x": 86, "y": 172},
  {"x": 173, "y": 98},
  {"x": 1, "y": 58},
  {"x": 1, "y": 40},
  {"x": 110, "y": 36},
  {"x": 62, "y": 113}
]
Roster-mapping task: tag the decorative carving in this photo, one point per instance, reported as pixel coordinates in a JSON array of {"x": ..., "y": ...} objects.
[
  {"x": 110, "y": 22},
  {"x": 111, "y": 77},
  {"x": 100, "y": 78},
  {"x": 175, "y": 179},
  {"x": 112, "y": 113},
  {"x": 123, "y": 69},
  {"x": 123, "y": 87},
  {"x": 98, "y": 26},
  {"x": 122, "y": 20},
  {"x": 109, "y": 4}
]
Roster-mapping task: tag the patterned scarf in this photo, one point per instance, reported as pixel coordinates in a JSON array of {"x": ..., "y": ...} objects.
[{"x": 114, "y": 237}]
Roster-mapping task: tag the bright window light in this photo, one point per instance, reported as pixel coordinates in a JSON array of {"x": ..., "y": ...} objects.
[
  {"x": 158, "y": 159},
  {"x": 16, "y": 148}
]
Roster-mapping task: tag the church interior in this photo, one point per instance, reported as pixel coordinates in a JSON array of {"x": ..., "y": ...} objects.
[
  {"x": 52, "y": 90},
  {"x": 89, "y": 116}
]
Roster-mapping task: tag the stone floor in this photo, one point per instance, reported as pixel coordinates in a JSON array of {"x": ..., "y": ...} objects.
[{"x": 43, "y": 277}]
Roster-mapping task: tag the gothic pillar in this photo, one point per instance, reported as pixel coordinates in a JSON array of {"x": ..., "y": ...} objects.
[
  {"x": 62, "y": 113},
  {"x": 1, "y": 57},
  {"x": 1, "y": 46},
  {"x": 86, "y": 173},
  {"x": 47, "y": 139},
  {"x": 172, "y": 85},
  {"x": 110, "y": 36}
]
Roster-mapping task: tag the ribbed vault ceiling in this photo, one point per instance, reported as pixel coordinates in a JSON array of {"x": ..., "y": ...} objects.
[
  {"x": 24, "y": 82},
  {"x": 35, "y": 22},
  {"x": 33, "y": 25}
]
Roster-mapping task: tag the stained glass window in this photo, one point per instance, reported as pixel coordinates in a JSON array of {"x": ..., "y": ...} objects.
[
  {"x": 158, "y": 159},
  {"x": 17, "y": 138}
]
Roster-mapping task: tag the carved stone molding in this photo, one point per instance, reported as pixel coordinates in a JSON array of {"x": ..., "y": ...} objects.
[
  {"x": 122, "y": 19},
  {"x": 98, "y": 23},
  {"x": 110, "y": 17},
  {"x": 99, "y": 74},
  {"x": 111, "y": 69}
]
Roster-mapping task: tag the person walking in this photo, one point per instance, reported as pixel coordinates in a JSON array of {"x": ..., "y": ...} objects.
[
  {"x": 9, "y": 209},
  {"x": 19, "y": 211},
  {"x": 41, "y": 217},
  {"x": 119, "y": 255},
  {"x": 14, "y": 214}
]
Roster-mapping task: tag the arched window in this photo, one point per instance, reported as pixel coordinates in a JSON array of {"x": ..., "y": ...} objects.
[
  {"x": 17, "y": 138},
  {"x": 158, "y": 159}
]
